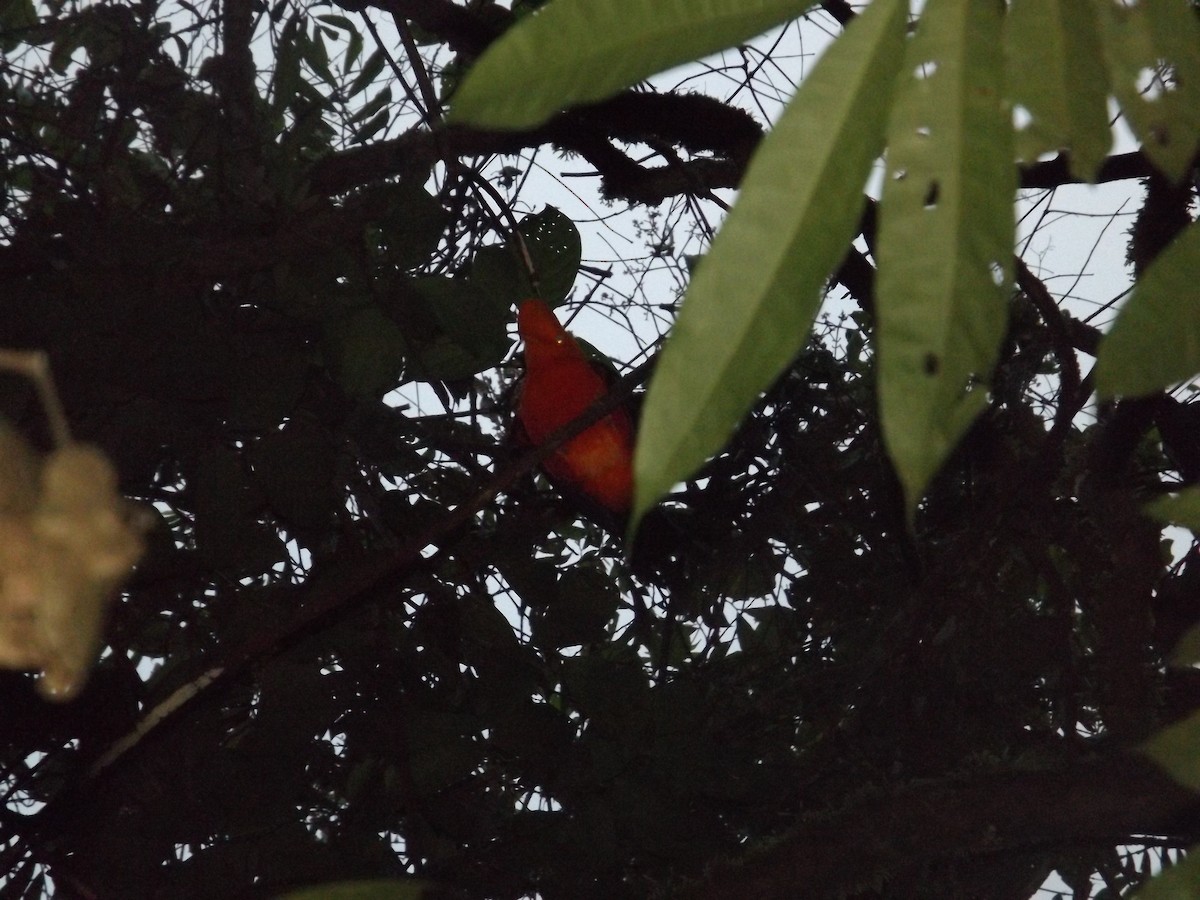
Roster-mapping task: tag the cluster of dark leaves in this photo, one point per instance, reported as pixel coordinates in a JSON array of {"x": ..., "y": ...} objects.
[{"x": 521, "y": 712}]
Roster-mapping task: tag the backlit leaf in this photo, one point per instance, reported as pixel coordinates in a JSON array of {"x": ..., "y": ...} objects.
[
  {"x": 1181, "y": 509},
  {"x": 946, "y": 237},
  {"x": 1153, "y": 55},
  {"x": 1056, "y": 73},
  {"x": 754, "y": 296},
  {"x": 1155, "y": 341},
  {"x": 572, "y": 52},
  {"x": 1179, "y": 882},
  {"x": 1174, "y": 749}
]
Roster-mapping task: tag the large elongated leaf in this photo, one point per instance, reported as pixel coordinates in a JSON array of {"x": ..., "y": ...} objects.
[
  {"x": 1186, "y": 652},
  {"x": 1180, "y": 509},
  {"x": 1056, "y": 72},
  {"x": 1180, "y": 882},
  {"x": 752, "y": 302},
  {"x": 1155, "y": 341},
  {"x": 1153, "y": 55},
  {"x": 1174, "y": 749},
  {"x": 580, "y": 51},
  {"x": 946, "y": 233}
]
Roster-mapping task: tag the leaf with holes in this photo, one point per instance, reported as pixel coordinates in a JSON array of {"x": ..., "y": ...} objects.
[
  {"x": 1056, "y": 73},
  {"x": 946, "y": 237},
  {"x": 1153, "y": 56},
  {"x": 555, "y": 249}
]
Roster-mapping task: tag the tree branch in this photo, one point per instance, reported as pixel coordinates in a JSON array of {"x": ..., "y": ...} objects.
[
  {"x": 1056, "y": 172},
  {"x": 693, "y": 122},
  {"x": 1070, "y": 398},
  {"x": 840, "y": 10}
]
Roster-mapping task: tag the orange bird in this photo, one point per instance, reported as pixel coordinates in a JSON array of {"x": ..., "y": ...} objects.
[{"x": 560, "y": 384}]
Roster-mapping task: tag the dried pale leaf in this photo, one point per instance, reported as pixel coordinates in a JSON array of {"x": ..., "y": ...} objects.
[
  {"x": 70, "y": 620},
  {"x": 18, "y": 472},
  {"x": 60, "y": 565},
  {"x": 50, "y": 611},
  {"x": 81, "y": 510},
  {"x": 84, "y": 531},
  {"x": 20, "y": 580},
  {"x": 20, "y": 588}
]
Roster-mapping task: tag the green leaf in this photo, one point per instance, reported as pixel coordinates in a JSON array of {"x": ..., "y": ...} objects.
[
  {"x": 754, "y": 296},
  {"x": 1155, "y": 341},
  {"x": 370, "y": 71},
  {"x": 366, "y": 352},
  {"x": 286, "y": 79},
  {"x": 1056, "y": 72},
  {"x": 585, "y": 604},
  {"x": 409, "y": 232},
  {"x": 367, "y": 889},
  {"x": 367, "y": 130},
  {"x": 580, "y": 51},
  {"x": 946, "y": 237},
  {"x": 295, "y": 469},
  {"x": 372, "y": 106},
  {"x": 554, "y": 248},
  {"x": 228, "y": 535},
  {"x": 353, "y": 50},
  {"x": 1176, "y": 749},
  {"x": 470, "y": 331},
  {"x": 313, "y": 52},
  {"x": 525, "y": 7},
  {"x": 1180, "y": 509},
  {"x": 1142, "y": 43},
  {"x": 1186, "y": 652},
  {"x": 66, "y": 42},
  {"x": 498, "y": 271},
  {"x": 340, "y": 22},
  {"x": 16, "y": 16},
  {"x": 1180, "y": 882}
]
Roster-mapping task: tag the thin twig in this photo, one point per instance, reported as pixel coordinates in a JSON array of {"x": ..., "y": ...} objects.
[{"x": 35, "y": 365}]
